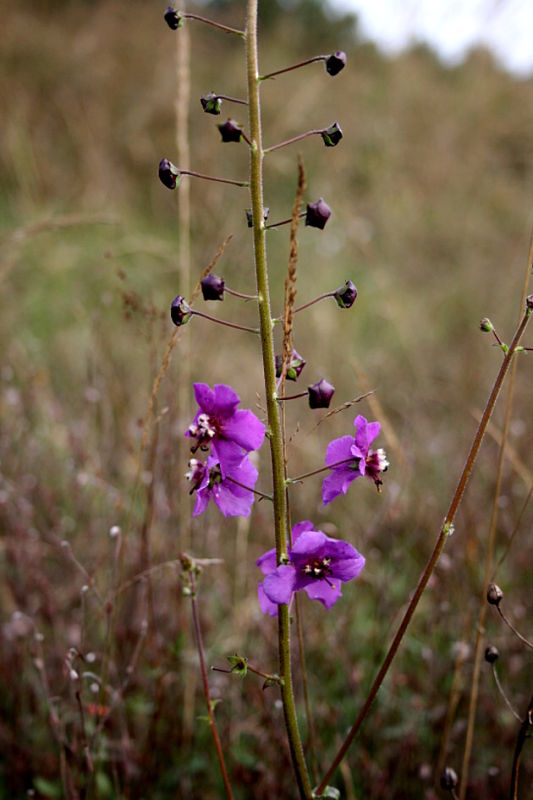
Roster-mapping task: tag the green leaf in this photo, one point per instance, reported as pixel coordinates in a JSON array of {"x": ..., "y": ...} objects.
[{"x": 47, "y": 788}]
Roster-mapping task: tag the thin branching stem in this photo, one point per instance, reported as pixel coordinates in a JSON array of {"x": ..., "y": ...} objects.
[
  {"x": 224, "y": 322},
  {"x": 207, "y": 694},
  {"x": 214, "y": 24},
  {"x": 316, "y": 132},
  {"x": 284, "y": 222},
  {"x": 249, "y": 488},
  {"x": 527, "y": 724},
  {"x": 514, "y": 630},
  {"x": 273, "y": 415},
  {"x": 445, "y": 530},
  {"x": 194, "y": 174},
  {"x": 293, "y": 66},
  {"x": 316, "y": 300},
  {"x": 504, "y": 697},
  {"x": 231, "y": 99}
]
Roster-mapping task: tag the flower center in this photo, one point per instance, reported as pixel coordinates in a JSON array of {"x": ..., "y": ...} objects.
[
  {"x": 376, "y": 463},
  {"x": 318, "y": 568},
  {"x": 203, "y": 430}
]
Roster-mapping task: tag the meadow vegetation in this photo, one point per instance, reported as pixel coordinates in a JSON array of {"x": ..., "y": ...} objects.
[{"x": 431, "y": 197}]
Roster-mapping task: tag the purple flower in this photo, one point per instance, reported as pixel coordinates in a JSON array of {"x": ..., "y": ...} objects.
[
  {"x": 213, "y": 287},
  {"x": 316, "y": 563},
  {"x": 225, "y": 486},
  {"x": 350, "y": 457},
  {"x": 230, "y": 432}
]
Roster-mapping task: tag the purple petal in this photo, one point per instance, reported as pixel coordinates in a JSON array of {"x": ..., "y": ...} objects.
[
  {"x": 279, "y": 585},
  {"x": 266, "y": 605},
  {"x": 308, "y": 544},
  {"x": 327, "y": 593},
  {"x": 227, "y": 453},
  {"x": 245, "y": 429},
  {"x": 267, "y": 562},
  {"x": 202, "y": 501},
  {"x": 337, "y": 483},
  {"x": 300, "y": 527},
  {"x": 226, "y": 401},
  {"x": 339, "y": 450},
  {"x": 349, "y": 568},
  {"x": 366, "y": 433},
  {"x": 230, "y": 504},
  {"x": 205, "y": 397}
]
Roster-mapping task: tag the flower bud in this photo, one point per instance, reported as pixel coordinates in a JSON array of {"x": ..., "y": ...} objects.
[
  {"x": 317, "y": 214},
  {"x": 213, "y": 287},
  {"x": 180, "y": 311},
  {"x": 250, "y": 216},
  {"x": 494, "y": 594},
  {"x": 486, "y": 325},
  {"x": 169, "y": 175},
  {"x": 230, "y": 131},
  {"x": 296, "y": 365},
  {"x": 332, "y": 135},
  {"x": 345, "y": 295},
  {"x": 211, "y": 103},
  {"x": 336, "y": 62},
  {"x": 173, "y": 19},
  {"x": 320, "y": 394},
  {"x": 529, "y": 302},
  {"x": 491, "y": 654},
  {"x": 449, "y": 779}
]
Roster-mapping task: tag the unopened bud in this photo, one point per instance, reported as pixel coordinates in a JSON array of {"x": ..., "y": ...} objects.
[
  {"x": 317, "y": 214},
  {"x": 491, "y": 654},
  {"x": 336, "y": 62},
  {"x": 230, "y": 131},
  {"x": 212, "y": 287},
  {"x": 173, "y": 18},
  {"x": 320, "y": 394},
  {"x": 296, "y": 365},
  {"x": 449, "y": 779},
  {"x": 211, "y": 103},
  {"x": 331, "y": 136},
  {"x": 486, "y": 325},
  {"x": 169, "y": 175},
  {"x": 529, "y": 302},
  {"x": 346, "y": 295},
  {"x": 180, "y": 311},
  {"x": 494, "y": 595}
]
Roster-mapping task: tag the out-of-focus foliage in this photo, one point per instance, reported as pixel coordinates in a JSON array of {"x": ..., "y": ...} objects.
[{"x": 430, "y": 191}]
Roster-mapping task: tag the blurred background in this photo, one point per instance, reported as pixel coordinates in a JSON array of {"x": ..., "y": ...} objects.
[{"x": 430, "y": 192}]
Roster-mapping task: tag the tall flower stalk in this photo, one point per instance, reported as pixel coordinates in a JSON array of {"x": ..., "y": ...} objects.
[{"x": 273, "y": 412}]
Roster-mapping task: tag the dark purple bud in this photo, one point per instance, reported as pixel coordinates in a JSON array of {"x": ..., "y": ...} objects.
[
  {"x": 332, "y": 135},
  {"x": 317, "y": 214},
  {"x": 169, "y": 175},
  {"x": 529, "y": 302},
  {"x": 345, "y": 295},
  {"x": 296, "y": 365},
  {"x": 173, "y": 19},
  {"x": 230, "y": 131},
  {"x": 449, "y": 779},
  {"x": 336, "y": 62},
  {"x": 213, "y": 287},
  {"x": 211, "y": 103},
  {"x": 494, "y": 595},
  {"x": 491, "y": 654},
  {"x": 486, "y": 325},
  {"x": 320, "y": 394},
  {"x": 180, "y": 311},
  {"x": 250, "y": 216}
]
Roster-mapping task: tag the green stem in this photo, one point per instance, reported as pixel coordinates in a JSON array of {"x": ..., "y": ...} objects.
[
  {"x": 274, "y": 422},
  {"x": 445, "y": 530}
]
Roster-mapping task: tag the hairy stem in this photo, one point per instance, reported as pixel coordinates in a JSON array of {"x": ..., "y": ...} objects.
[
  {"x": 274, "y": 422},
  {"x": 437, "y": 550}
]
